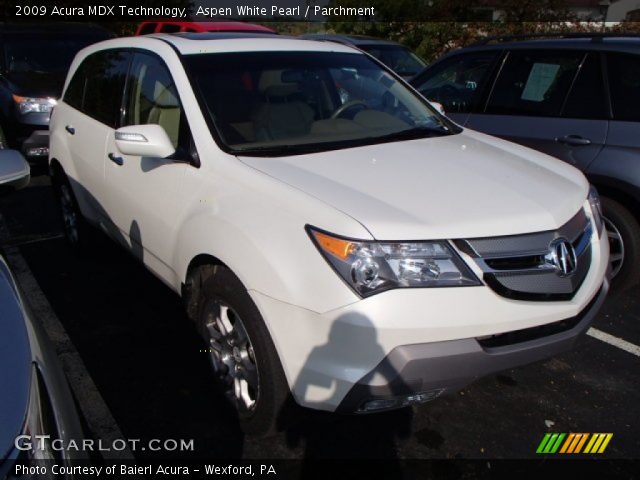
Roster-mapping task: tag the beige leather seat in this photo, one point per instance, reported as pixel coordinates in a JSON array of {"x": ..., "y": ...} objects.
[
  {"x": 281, "y": 115},
  {"x": 166, "y": 112}
]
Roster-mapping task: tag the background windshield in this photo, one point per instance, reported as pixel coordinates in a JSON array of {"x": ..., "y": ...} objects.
[
  {"x": 398, "y": 58},
  {"x": 46, "y": 54},
  {"x": 266, "y": 100}
]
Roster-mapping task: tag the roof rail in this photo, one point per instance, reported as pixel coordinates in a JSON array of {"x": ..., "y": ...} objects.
[{"x": 594, "y": 36}]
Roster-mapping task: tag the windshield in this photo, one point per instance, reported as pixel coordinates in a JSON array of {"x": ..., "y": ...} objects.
[
  {"x": 274, "y": 103},
  {"x": 398, "y": 58},
  {"x": 47, "y": 54}
]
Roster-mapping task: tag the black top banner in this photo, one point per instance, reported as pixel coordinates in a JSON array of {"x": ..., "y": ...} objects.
[{"x": 582, "y": 11}]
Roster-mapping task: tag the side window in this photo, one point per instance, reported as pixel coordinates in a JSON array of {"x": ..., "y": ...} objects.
[
  {"x": 106, "y": 73},
  {"x": 624, "y": 81},
  {"x": 147, "y": 28},
  {"x": 74, "y": 94},
  {"x": 152, "y": 98},
  {"x": 586, "y": 98},
  {"x": 170, "y": 28},
  {"x": 534, "y": 83},
  {"x": 458, "y": 82}
]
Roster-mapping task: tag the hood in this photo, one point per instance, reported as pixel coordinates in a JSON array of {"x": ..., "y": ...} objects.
[
  {"x": 31, "y": 84},
  {"x": 15, "y": 359},
  {"x": 457, "y": 186}
]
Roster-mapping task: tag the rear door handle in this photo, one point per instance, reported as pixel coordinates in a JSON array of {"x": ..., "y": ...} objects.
[
  {"x": 115, "y": 159},
  {"x": 70, "y": 129},
  {"x": 575, "y": 140}
]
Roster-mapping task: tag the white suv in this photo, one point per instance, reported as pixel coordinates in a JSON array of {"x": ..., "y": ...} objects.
[{"x": 334, "y": 238}]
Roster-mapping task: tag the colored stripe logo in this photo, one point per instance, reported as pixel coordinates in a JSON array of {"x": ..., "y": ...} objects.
[{"x": 574, "y": 443}]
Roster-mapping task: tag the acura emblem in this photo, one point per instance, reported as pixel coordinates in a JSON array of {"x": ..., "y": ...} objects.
[{"x": 563, "y": 257}]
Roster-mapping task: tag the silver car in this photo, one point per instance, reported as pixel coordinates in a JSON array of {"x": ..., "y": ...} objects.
[{"x": 35, "y": 398}]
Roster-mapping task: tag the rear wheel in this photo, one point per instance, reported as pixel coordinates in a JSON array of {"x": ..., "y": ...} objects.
[
  {"x": 242, "y": 355},
  {"x": 623, "y": 233},
  {"x": 76, "y": 229}
]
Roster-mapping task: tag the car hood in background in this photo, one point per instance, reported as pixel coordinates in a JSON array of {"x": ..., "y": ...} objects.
[
  {"x": 39, "y": 85},
  {"x": 457, "y": 186},
  {"x": 15, "y": 364}
]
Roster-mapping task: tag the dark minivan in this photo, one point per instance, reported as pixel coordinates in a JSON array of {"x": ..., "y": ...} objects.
[
  {"x": 34, "y": 59},
  {"x": 576, "y": 98}
]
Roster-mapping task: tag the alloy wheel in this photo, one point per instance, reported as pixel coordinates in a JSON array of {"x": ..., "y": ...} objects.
[
  {"x": 69, "y": 214},
  {"x": 616, "y": 246},
  {"x": 232, "y": 356}
]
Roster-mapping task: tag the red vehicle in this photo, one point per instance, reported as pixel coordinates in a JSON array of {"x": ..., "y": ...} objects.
[{"x": 146, "y": 28}]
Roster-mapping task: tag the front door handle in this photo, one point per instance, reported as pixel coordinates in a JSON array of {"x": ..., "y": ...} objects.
[
  {"x": 575, "y": 140},
  {"x": 115, "y": 159},
  {"x": 70, "y": 129}
]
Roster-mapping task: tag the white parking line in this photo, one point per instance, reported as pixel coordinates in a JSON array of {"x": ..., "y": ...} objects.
[
  {"x": 615, "y": 341},
  {"x": 95, "y": 410}
]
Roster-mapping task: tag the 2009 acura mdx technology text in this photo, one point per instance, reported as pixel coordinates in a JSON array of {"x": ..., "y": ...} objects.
[{"x": 332, "y": 235}]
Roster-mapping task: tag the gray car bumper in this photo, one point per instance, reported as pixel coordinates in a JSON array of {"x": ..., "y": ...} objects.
[{"x": 435, "y": 368}]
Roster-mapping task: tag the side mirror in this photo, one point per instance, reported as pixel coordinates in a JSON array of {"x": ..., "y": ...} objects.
[
  {"x": 15, "y": 172},
  {"x": 438, "y": 106},
  {"x": 144, "y": 141}
]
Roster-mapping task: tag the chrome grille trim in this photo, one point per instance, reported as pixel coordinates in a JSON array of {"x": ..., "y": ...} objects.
[
  {"x": 520, "y": 267},
  {"x": 528, "y": 243}
]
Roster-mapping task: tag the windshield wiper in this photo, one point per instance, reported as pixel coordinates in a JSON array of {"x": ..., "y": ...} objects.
[
  {"x": 413, "y": 133},
  {"x": 279, "y": 150}
]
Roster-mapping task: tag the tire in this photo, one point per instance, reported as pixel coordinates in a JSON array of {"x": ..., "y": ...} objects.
[
  {"x": 3, "y": 140},
  {"x": 77, "y": 230},
  {"x": 218, "y": 297},
  {"x": 623, "y": 232}
]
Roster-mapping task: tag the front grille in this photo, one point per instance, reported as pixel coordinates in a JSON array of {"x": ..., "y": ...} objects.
[
  {"x": 533, "y": 333},
  {"x": 519, "y": 267}
]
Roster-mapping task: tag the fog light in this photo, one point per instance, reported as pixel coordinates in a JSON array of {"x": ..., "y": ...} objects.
[
  {"x": 421, "y": 397},
  {"x": 400, "y": 401},
  {"x": 37, "y": 152},
  {"x": 383, "y": 404}
]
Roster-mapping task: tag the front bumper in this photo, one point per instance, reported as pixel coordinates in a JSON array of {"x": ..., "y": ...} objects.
[
  {"x": 328, "y": 356},
  {"x": 29, "y": 133},
  {"x": 432, "y": 369},
  {"x": 36, "y": 145}
]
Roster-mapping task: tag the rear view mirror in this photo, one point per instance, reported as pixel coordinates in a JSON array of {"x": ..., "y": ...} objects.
[
  {"x": 14, "y": 170},
  {"x": 291, "y": 76},
  {"x": 144, "y": 141}
]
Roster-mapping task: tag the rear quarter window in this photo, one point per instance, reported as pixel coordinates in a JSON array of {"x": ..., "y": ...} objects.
[
  {"x": 74, "y": 94},
  {"x": 147, "y": 28},
  {"x": 102, "y": 77},
  {"x": 170, "y": 28}
]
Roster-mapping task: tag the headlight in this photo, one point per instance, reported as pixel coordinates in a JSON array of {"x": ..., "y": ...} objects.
[
  {"x": 596, "y": 208},
  {"x": 34, "y": 105},
  {"x": 371, "y": 267}
]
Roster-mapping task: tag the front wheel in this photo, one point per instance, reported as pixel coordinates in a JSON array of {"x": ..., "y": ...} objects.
[
  {"x": 242, "y": 355},
  {"x": 623, "y": 234}
]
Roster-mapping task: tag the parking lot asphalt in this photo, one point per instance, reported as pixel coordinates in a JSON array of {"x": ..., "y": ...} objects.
[{"x": 146, "y": 362}]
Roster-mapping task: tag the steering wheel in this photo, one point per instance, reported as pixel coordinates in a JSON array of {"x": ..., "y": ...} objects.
[
  {"x": 447, "y": 93},
  {"x": 343, "y": 108}
]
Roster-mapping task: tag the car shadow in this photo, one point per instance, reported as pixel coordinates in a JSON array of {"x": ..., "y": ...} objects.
[
  {"x": 325, "y": 435},
  {"x": 142, "y": 352}
]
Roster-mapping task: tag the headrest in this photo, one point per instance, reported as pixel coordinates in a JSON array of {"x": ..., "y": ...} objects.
[
  {"x": 281, "y": 90},
  {"x": 272, "y": 84},
  {"x": 163, "y": 97}
]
